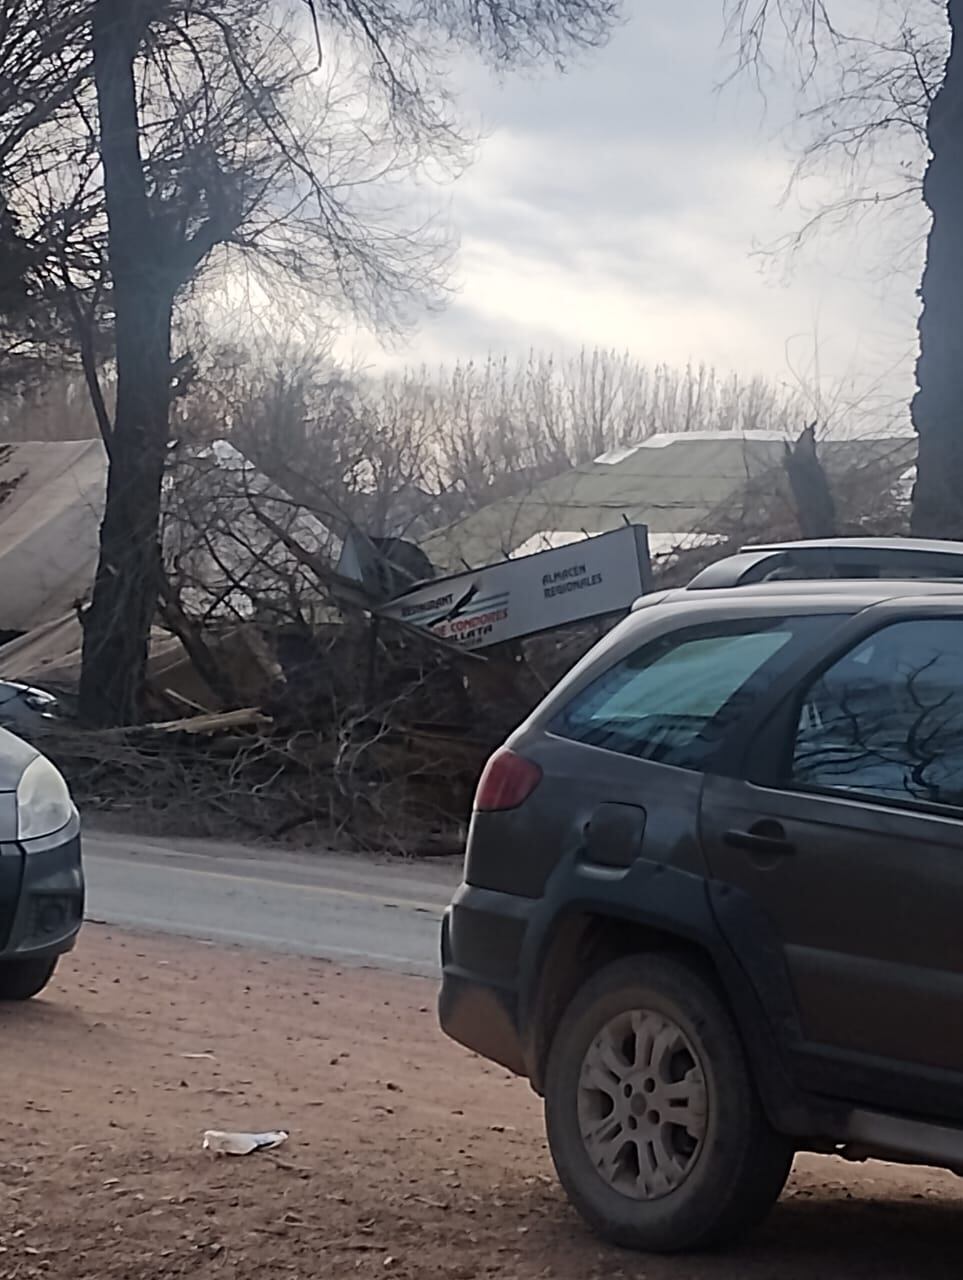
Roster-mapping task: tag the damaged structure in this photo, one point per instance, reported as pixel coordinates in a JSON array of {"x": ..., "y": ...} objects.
[{"x": 305, "y": 677}]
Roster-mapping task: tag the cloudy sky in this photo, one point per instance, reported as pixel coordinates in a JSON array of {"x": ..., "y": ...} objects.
[{"x": 620, "y": 205}]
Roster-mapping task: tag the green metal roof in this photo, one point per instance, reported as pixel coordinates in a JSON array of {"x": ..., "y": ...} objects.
[{"x": 672, "y": 484}]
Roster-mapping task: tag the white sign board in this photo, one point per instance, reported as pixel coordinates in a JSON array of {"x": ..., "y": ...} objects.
[{"x": 516, "y": 598}]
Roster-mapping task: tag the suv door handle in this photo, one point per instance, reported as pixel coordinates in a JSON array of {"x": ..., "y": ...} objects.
[{"x": 769, "y": 842}]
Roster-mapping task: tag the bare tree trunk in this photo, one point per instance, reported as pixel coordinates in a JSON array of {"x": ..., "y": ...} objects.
[
  {"x": 938, "y": 405},
  {"x": 117, "y": 624},
  {"x": 811, "y": 492}
]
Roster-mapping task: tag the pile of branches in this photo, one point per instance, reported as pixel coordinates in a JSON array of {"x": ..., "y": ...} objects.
[
  {"x": 358, "y": 740},
  {"x": 373, "y": 788}
]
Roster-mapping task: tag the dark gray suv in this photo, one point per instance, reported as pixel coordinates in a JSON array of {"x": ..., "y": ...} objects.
[{"x": 713, "y": 895}]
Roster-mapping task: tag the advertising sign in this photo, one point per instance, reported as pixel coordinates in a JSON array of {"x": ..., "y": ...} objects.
[{"x": 516, "y": 598}]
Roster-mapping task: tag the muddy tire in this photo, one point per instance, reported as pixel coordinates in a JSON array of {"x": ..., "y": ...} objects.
[
  {"x": 24, "y": 979},
  {"x": 653, "y": 1119}
]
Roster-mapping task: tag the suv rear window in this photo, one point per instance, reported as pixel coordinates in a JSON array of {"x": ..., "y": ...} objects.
[{"x": 672, "y": 700}]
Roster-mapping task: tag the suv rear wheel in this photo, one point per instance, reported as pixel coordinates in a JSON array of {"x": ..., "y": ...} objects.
[{"x": 653, "y": 1119}]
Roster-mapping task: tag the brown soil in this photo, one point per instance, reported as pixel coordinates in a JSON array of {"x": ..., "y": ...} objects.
[{"x": 407, "y": 1157}]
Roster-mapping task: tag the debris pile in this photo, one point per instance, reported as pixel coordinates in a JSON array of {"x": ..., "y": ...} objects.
[
  {"x": 352, "y": 734},
  {"x": 311, "y": 681},
  {"x": 358, "y": 713}
]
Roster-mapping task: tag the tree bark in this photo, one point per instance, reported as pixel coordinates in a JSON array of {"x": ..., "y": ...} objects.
[
  {"x": 811, "y": 491},
  {"x": 117, "y": 624},
  {"x": 938, "y": 404}
]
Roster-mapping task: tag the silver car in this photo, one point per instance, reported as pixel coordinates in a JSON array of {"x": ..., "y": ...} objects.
[{"x": 41, "y": 875}]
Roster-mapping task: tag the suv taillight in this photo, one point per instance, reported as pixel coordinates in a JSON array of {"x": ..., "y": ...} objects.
[{"x": 507, "y": 782}]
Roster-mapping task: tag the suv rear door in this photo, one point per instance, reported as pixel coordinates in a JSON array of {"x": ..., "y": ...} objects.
[{"x": 849, "y": 844}]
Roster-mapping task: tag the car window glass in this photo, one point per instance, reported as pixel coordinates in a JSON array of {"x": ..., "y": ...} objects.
[
  {"x": 671, "y": 700},
  {"x": 886, "y": 720}
]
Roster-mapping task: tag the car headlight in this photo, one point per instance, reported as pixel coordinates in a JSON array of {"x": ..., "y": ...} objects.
[{"x": 43, "y": 801}]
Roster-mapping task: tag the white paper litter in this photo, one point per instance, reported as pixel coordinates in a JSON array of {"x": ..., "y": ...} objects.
[{"x": 242, "y": 1144}]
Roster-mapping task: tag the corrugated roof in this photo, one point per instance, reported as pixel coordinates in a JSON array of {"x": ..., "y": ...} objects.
[
  {"x": 673, "y": 485},
  {"x": 49, "y": 527},
  {"x": 52, "y": 504}
]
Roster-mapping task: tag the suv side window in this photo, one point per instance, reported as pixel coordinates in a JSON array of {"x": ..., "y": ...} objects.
[
  {"x": 886, "y": 720},
  {"x": 672, "y": 700}
]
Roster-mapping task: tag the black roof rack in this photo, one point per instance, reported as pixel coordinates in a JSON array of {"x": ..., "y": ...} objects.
[{"x": 848, "y": 558}]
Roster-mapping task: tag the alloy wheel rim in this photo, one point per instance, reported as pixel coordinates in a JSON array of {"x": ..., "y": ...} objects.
[{"x": 642, "y": 1104}]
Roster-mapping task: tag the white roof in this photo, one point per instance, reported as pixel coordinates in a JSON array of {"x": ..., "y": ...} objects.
[
  {"x": 662, "y": 440},
  {"x": 671, "y": 544},
  {"x": 50, "y": 518},
  {"x": 548, "y": 540},
  {"x": 49, "y": 528}
]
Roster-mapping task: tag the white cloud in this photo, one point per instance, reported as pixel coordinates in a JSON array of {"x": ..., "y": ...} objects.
[{"x": 620, "y": 205}]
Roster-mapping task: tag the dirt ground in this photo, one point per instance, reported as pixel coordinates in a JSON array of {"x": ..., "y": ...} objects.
[{"x": 407, "y": 1156}]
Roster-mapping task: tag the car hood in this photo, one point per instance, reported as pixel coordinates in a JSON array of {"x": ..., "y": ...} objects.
[{"x": 15, "y": 755}]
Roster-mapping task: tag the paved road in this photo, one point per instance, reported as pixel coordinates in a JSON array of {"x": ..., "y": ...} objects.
[{"x": 383, "y": 914}]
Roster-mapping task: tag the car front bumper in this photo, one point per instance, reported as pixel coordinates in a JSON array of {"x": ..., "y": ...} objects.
[{"x": 41, "y": 895}]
